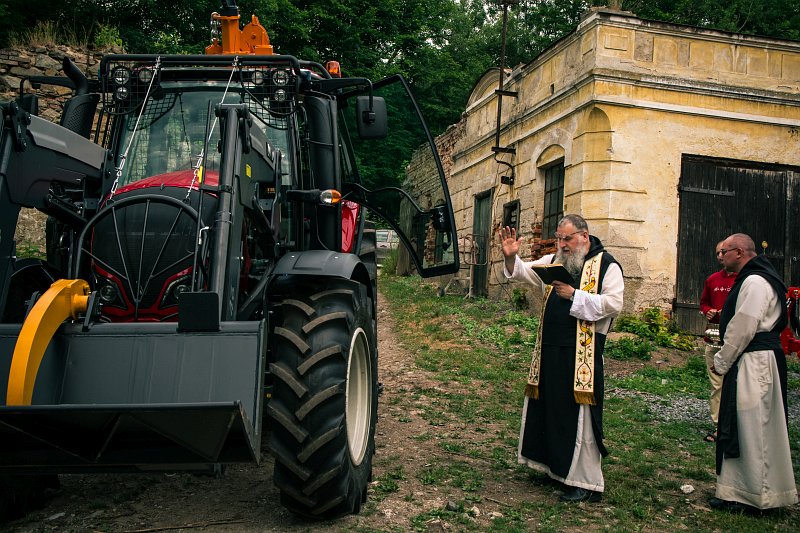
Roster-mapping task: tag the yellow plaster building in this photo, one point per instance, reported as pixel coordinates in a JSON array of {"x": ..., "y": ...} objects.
[{"x": 665, "y": 138}]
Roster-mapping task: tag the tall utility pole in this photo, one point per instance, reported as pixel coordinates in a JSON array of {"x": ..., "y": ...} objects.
[{"x": 497, "y": 149}]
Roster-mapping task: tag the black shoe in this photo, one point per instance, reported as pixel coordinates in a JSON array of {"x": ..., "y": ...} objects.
[
  {"x": 577, "y": 494},
  {"x": 733, "y": 507},
  {"x": 543, "y": 480}
]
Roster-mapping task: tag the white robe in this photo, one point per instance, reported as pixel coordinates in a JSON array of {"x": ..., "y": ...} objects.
[
  {"x": 762, "y": 476},
  {"x": 585, "y": 470}
]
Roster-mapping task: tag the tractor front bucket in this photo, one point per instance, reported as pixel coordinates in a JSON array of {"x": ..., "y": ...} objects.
[{"x": 136, "y": 396}]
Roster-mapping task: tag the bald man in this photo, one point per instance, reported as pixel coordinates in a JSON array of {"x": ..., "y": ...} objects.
[{"x": 754, "y": 463}]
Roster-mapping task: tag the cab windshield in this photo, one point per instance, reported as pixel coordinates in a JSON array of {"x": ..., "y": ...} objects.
[{"x": 169, "y": 135}]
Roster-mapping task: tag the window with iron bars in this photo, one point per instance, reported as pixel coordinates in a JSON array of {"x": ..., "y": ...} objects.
[{"x": 553, "y": 198}]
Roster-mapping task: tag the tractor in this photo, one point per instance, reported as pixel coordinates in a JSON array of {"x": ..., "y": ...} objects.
[{"x": 209, "y": 289}]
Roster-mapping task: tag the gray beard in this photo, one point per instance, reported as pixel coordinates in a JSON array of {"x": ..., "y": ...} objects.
[{"x": 572, "y": 262}]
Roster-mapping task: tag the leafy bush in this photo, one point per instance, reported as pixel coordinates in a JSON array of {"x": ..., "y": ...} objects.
[
  {"x": 519, "y": 298},
  {"x": 389, "y": 266},
  {"x": 653, "y": 325},
  {"x": 106, "y": 37},
  {"x": 172, "y": 43},
  {"x": 629, "y": 348}
]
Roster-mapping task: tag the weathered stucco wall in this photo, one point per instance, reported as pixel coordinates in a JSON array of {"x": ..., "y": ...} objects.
[{"x": 620, "y": 101}]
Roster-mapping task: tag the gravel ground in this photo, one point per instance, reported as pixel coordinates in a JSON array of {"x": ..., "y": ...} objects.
[{"x": 678, "y": 408}]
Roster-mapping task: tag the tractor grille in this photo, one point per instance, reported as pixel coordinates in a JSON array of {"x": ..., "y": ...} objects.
[{"x": 143, "y": 253}]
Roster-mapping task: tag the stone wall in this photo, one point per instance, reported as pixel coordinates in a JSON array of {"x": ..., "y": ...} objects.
[{"x": 17, "y": 64}]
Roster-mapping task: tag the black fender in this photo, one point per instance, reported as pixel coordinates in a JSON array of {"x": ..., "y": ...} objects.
[{"x": 324, "y": 263}]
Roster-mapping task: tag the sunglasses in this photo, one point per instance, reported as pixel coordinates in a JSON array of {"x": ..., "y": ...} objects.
[{"x": 724, "y": 251}]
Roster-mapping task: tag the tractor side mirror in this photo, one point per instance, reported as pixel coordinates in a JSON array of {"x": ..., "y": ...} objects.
[
  {"x": 372, "y": 120},
  {"x": 30, "y": 104}
]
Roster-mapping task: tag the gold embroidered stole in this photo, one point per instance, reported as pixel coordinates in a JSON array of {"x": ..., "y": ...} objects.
[{"x": 584, "y": 345}]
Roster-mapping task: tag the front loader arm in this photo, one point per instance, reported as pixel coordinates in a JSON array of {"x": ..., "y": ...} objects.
[{"x": 66, "y": 298}]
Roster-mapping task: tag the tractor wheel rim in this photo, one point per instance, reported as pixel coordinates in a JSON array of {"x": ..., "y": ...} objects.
[{"x": 358, "y": 397}]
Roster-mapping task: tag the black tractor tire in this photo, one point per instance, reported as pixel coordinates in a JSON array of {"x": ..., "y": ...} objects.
[{"x": 324, "y": 404}]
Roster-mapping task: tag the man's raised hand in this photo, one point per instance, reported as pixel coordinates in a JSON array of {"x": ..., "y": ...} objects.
[{"x": 509, "y": 241}]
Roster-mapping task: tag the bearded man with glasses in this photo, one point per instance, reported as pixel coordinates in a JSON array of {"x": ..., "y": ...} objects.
[{"x": 562, "y": 416}]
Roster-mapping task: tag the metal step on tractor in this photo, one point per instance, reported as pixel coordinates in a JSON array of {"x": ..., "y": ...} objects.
[{"x": 210, "y": 281}]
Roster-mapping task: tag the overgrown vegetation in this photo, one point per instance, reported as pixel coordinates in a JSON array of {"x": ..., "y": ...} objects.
[
  {"x": 519, "y": 297},
  {"x": 27, "y": 249},
  {"x": 629, "y": 348},
  {"x": 653, "y": 325},
  {"x": 389, "y": 264},
  {"x": 47, "y": 33},
  {"x": 477, "y": 351}
]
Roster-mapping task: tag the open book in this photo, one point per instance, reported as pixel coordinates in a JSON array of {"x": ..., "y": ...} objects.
[{"x": 553, "y": 272}]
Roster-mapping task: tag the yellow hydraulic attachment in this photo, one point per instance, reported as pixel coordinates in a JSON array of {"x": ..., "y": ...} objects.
[
  {"x": 65, "y": 298},
  {"x": 252, "y": 39}
]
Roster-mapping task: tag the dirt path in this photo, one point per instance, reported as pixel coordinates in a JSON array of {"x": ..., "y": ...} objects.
[{"x": 244, "y": 499}]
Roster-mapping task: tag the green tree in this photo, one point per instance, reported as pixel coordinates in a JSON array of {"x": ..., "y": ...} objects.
[
  {"x": 772, "y": 18},
  {"x": 441, "y": 46}
]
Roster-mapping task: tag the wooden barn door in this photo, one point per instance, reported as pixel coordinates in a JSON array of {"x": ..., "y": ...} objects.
[{"x": 721, "y": 197}]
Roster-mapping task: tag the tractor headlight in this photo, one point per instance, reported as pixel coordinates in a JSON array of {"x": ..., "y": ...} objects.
[
  {"x": 121, "y": 75},
  {"x": 258, "y": 77},
  {"x": 122, "y": 93},
  {"x": 108, "y": 293},
  {"x": 145, "y": 75},
  {"x": 280, "y": 78},
  {"x": 174, "y": 289},
  {"x": 179, "y": 289}
]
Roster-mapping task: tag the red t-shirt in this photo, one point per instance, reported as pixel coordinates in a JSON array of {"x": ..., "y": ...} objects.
[{"x": 715, "y": 291}]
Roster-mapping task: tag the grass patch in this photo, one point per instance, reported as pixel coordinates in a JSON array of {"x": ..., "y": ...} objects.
[
  {"x": 690, "y": 379},
  {"x": 457, "y": 474},
  {"x": 477, "y": 353},
  {"x": 626, "y": 349},
  {"x": 48, "y": 33},
  {"x": 389, "y": 263},
  {"x": 29, "y": 250},
  {"x": 388, "y": 483}
]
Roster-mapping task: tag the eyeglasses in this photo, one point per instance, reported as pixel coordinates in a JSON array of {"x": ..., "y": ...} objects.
[
  {"x": 566, "y": 238},
  {"x": 723, "y": 251}
]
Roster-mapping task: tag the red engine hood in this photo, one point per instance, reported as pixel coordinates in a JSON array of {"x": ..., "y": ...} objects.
[{"x": 179, "y": 178}]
